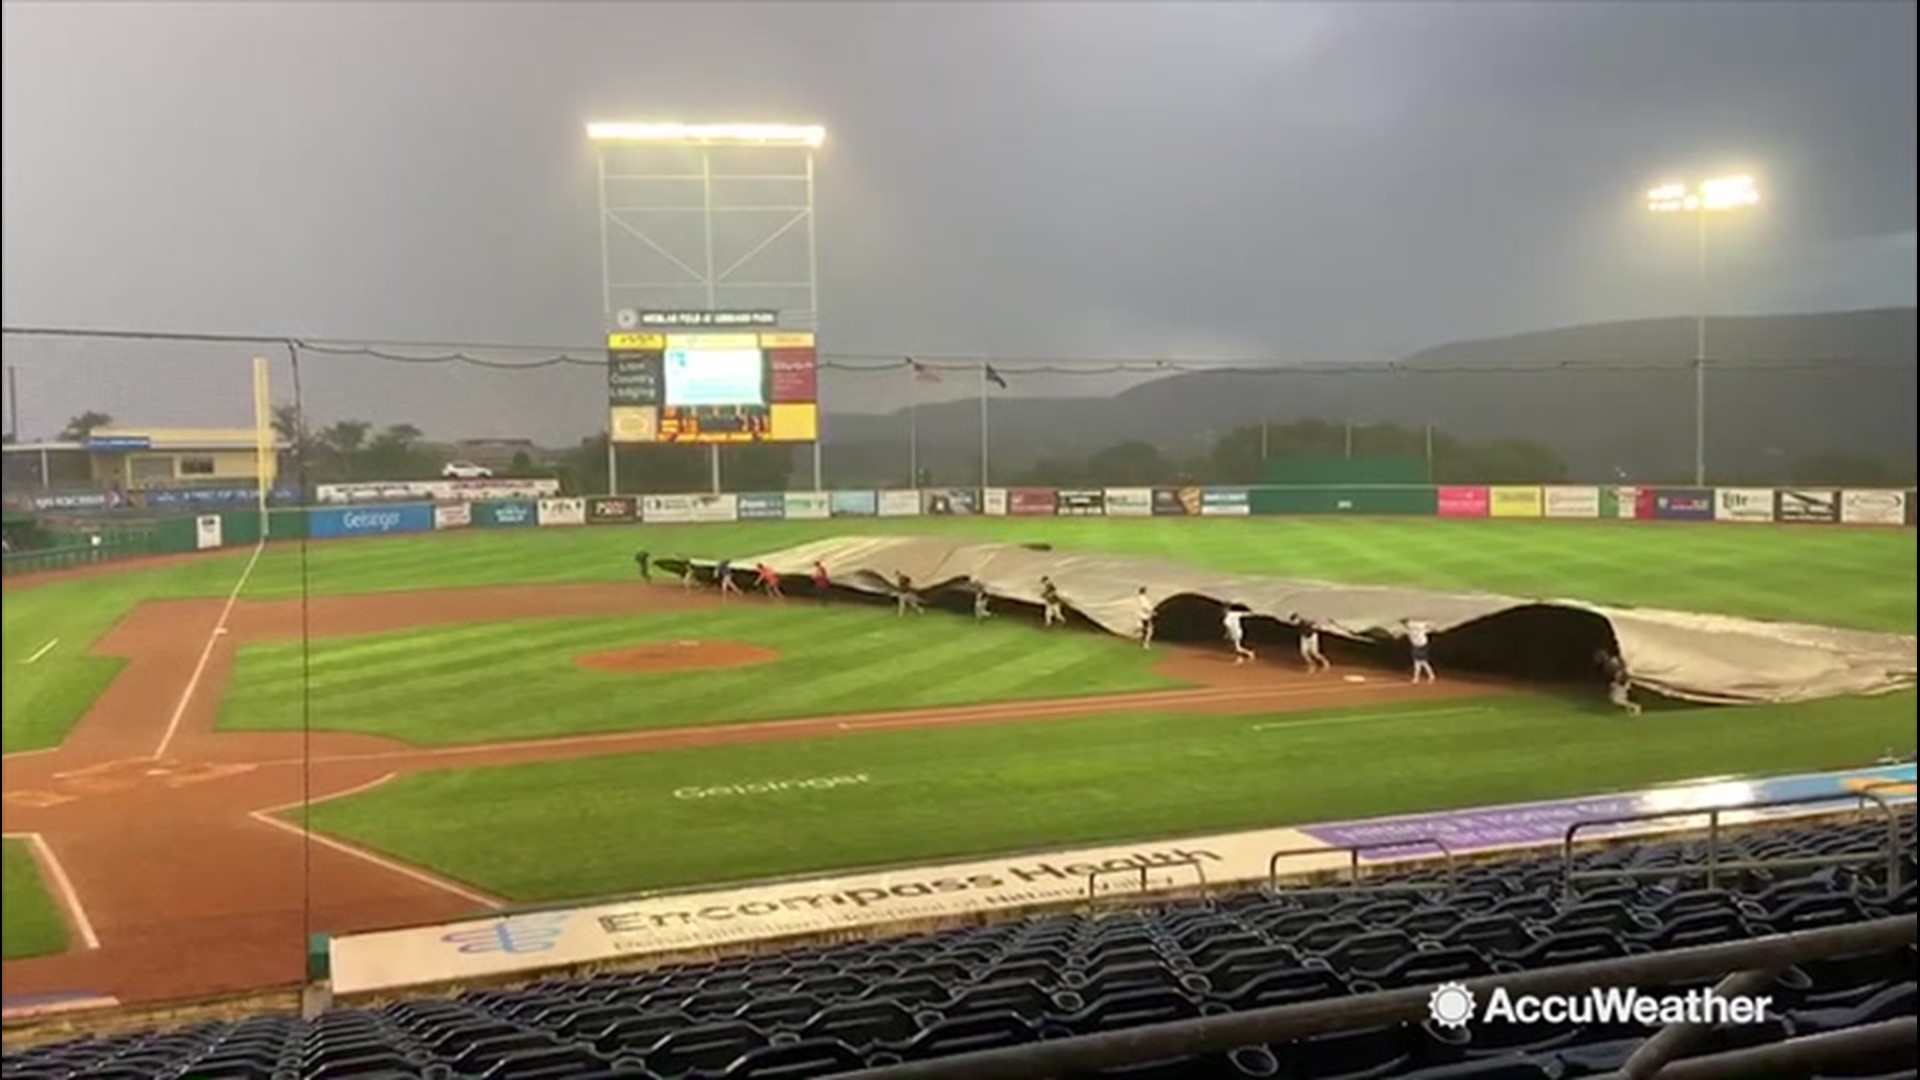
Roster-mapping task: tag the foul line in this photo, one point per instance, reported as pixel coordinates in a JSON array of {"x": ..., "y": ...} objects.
[
  {"x": 206, "y": 654},
  {"x": 44, "y": 650},
  {"x": 265, "y": 817},
  {"x": 1315, "y": 721},
  {"x": 62, "y": 886}
]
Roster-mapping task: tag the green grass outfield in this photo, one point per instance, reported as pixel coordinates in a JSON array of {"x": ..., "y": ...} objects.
[
  {"x": 514, "y": 680},
  {"x": 576, "y": 829},
  {"x": 33, "y": 926},
  {"x": 1842, "y": 576}
]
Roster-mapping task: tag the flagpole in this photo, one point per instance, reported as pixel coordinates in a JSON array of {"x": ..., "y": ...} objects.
[
  {"x": 984, "y": 483},
  {"x": 913, "y": 427}
]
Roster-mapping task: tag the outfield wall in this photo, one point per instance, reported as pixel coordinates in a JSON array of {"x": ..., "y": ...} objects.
[{"x": 357, "y": 510}]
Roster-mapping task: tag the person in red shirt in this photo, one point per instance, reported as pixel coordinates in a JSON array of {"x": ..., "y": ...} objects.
[
  {"x": 769, "y": 580},
  {"x": 822, "y": 584}
]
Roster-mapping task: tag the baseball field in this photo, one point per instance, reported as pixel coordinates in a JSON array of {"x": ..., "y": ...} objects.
[{"x": 494, "y": 717}]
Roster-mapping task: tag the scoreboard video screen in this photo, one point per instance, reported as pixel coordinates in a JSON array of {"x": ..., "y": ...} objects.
[{"x": 713, "y": 387}]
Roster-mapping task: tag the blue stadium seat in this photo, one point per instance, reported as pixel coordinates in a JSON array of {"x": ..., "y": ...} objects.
[
  {"x": 867, "y": 1025},
  {"x": 964, "y": 1034},
  {"x": 796, "y": 1061},
  {"x": 704, "y": 1047},
  {"x": 1895, "y": 1000}
]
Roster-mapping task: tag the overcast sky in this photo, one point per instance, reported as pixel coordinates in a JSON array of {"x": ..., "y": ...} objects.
[{"x": 1325, "y": 182}]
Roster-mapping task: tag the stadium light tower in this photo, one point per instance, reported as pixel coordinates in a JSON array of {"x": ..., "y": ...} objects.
[
  {"x": 707, "y": 216},
  {"x": 1701, "y": 200}
]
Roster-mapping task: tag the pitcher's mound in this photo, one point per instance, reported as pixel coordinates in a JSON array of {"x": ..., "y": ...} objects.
[{"x": 678, "y": 656}]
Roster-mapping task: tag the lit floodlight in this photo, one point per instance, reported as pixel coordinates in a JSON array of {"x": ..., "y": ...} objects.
[
  {"x": 1708, "y": 196},
  {"x": 1722, "y": 193},
  {"x": 807, "y": 135}
]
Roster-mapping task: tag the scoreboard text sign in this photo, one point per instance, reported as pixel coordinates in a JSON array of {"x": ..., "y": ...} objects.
[{"x": 665, "y": 319}]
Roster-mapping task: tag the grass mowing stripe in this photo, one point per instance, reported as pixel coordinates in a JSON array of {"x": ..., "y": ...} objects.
[
  {"x": 517, "y": 679},
  {"x": 1343, "y": 718},
  {"x": 960, "y": 791}
]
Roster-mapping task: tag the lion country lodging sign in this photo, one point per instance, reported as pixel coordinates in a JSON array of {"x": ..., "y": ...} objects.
[{"x": 660, "y": 925}]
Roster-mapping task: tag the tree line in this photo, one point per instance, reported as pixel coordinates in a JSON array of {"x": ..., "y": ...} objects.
[
  {"x": 1240, "y": 456},
  {"x": 354, "y": 450}
]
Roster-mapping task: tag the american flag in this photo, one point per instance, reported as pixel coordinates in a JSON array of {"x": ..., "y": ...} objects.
[{"x": 922, "y": 372}]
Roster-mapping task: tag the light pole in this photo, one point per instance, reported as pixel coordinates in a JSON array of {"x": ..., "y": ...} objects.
[{"x": 1700, "y": 200}]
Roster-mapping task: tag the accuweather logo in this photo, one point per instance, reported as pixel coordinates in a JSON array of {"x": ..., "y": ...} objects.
[{"x": 1454, "y": 1005}]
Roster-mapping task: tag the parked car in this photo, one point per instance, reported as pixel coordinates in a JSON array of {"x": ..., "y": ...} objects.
[{"x": 465, "y": 470}]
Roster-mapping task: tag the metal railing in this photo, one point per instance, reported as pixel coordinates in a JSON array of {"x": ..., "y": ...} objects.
[
  {"x": 1208, "y": 1035},
  {"x": 1714, "y": 865},
  {"x": 111, "y": 548},
  {"x": 1094, "y": 876},
  {"x": 1353, "y": 866}
]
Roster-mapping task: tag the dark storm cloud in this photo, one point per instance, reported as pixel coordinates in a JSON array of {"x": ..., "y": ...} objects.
[{"x": 1309, "y": 181}]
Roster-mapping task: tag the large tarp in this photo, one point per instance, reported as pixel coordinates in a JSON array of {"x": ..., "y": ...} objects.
[{"x": 1696, "y": 657}]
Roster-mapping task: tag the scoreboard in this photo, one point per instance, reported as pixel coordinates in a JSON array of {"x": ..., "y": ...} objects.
[{"x": 713, "y": 387}]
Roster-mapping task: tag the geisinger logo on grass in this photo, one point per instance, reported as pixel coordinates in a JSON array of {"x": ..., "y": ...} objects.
[{"x": 1453, "y": 1005}]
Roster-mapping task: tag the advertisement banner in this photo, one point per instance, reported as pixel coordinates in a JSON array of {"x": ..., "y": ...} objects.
[
  {"x": 1873, "y": 507},
  {"x": 1169, "y": 501},
  {"x": 206, "y": 532},
  {"x": 952, "y": 501},
  {"x": 77, "y": 500},
  {"x": 1030, "y": 502},
  {"x": 807, "y": 506},
  {"x": 1743, "y": 504},
  {"x": 900, "y": 503},
  {"x": 1513, "y": 502},
  {"x": 1681, "y": 504},
  {"x": 792, "y": 375},
  {"x": 995, "y": 500},
  {"x": 1081, "y": 503},
  {"x": 1571, "y": 502},
  {"x": 218, "y": 496},
  {"x": 1413, "y": 500},
  {"x": 563, "y": 512},
  {"x": 1129, "y": 502},
  {"x": 853, "y": 503},
  {"x": 1820, "y": 506},
  {"x": 439, "y": 490},
  {"x": 666, "y": 509},
  {"x": 452, "y": 515},
  {"x": 1646, "y": 503},
  {"x": 763, "y": 507},
  {"x": 1462, "y": 502},
  {"x": 1226, "y": 502},
  {"x": 714, "y": 508},
  {"x": 336, "y": 523},
  {"x": 612, "y": 510},
  {"x": 506, "y": 514}
]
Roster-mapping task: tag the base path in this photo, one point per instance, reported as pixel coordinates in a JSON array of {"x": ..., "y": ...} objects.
[{"x": 193, "y": 889}]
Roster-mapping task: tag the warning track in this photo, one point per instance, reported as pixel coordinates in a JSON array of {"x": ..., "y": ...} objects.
[{"x": 192, "y": 888}]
